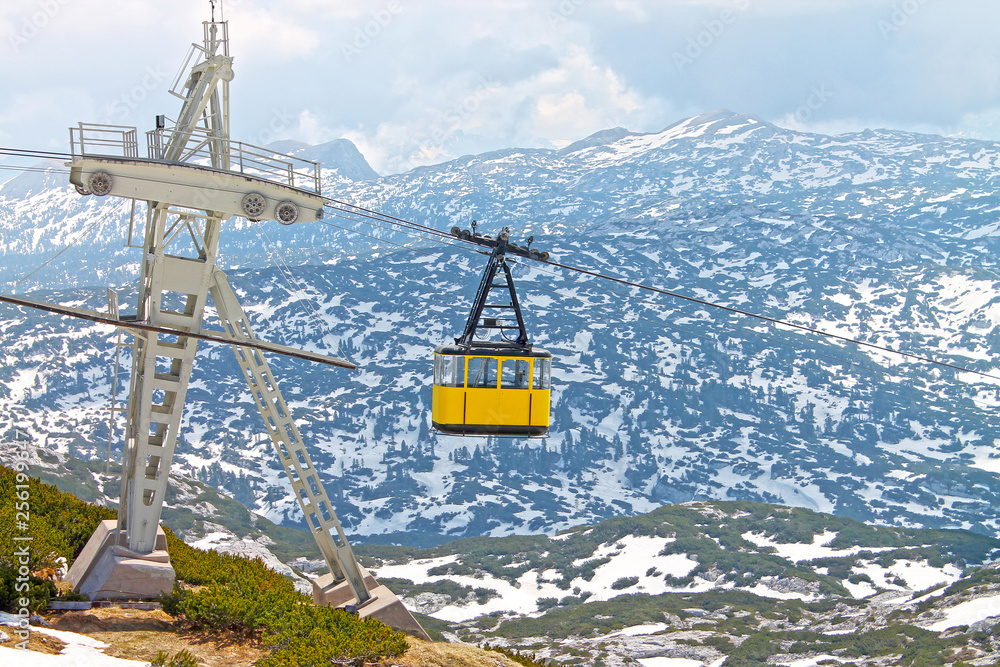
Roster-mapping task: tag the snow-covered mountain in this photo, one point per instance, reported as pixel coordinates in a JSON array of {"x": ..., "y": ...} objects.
[
  {"x": 707, "y": 583},
  {"x": 889, "y": 237}
]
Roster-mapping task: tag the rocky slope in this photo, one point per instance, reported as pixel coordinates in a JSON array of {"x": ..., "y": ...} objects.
[
  {"x": 737, "y": 582},
  {"x": 734, "y": 583}
]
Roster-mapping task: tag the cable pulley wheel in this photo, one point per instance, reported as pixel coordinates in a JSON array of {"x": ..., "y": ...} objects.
[
  {"x": 253, "y": 205},
  {"x": 100, "y": 183},
  {"x": 82, "y": 190},
  {"x": 286, "y": 212}
]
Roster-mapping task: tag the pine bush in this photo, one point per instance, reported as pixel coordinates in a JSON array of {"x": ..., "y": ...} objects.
[
  {"x": 520, "y": 658},
  {"x": 180, "y": 659},
  {"x": 59, "y": 526},
  {"x": 232, "y": 594},
  {"x": 243, "y": 596},
  {"x": 320, "y": 636}
]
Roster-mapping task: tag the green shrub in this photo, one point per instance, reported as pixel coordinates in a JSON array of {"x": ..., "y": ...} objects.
[
  {"x": 180, "y": 659},
  {"x": 718, "y": 642},
  {"x": 406, "y": 588},
  {"x": 320, "y": 636},
  {"x": 547, "y": 603},
  {"x": 198, "y": 567},
  {"x": 754, "y": 651},
  {"x": 244, "y": 596},
  {"x": 236, "y": 594},
  {"x": 519, "y": 658},
  {"x": 247, "y": 604},
  {"x": 624, "y": 582},
  {"x": 59, "y": 526},
  {"x": 38, "y": 592}
]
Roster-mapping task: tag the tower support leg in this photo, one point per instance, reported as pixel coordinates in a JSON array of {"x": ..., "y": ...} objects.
[
  {"x": 347, "y": 583},
  {"x": 172, "y": 294}
]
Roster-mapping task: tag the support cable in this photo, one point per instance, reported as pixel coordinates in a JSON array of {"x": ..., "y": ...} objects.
[
  {"x": 703, "y": 302},
  {"x": 750, "y": 333},
  {"x": 376, "y": 216},
  {"x": 296, "y": 290},
  {"x": 86, "y": 232}
]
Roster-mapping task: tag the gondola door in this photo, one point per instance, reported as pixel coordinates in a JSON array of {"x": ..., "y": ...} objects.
[{"x": 515, "y": 391}]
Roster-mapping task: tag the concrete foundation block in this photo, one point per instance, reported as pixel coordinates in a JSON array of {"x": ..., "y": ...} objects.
[
  {"x": 383, "y": 605},
  {"x": 107, "y": 570}
]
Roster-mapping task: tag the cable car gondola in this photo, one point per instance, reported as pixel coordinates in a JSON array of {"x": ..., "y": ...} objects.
[{"x": 492, "y": 387}]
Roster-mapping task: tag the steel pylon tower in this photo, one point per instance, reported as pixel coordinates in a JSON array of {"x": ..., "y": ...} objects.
[{"x": 193, "y": 178}]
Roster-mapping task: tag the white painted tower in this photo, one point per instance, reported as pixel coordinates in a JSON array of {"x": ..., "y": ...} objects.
[{"x": 193, "y": 178}]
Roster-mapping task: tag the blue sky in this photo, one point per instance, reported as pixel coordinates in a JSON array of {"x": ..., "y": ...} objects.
[{"x": 417, "y": 82}]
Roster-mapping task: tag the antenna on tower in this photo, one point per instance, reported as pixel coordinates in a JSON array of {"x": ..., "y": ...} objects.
[{"x": 212, "y": 2}]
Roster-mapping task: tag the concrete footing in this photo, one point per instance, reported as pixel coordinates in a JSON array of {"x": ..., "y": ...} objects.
[
  {"x": 105, "y": 570},
  {"x": 383, "y": 605}
]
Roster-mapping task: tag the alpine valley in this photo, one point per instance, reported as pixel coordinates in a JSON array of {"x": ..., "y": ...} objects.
[{"x": 883, "y": 236}]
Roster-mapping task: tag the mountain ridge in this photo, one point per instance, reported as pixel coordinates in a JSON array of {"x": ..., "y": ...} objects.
[
  {"x": 339, "y": 155},
  {"x": 886, "y": 237}
]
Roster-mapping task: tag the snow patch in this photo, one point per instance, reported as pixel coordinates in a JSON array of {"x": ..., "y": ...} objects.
[{"x": 967, "y": 613}]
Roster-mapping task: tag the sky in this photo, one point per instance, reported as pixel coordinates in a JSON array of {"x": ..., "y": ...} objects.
[{"x": 417, "y": 82}]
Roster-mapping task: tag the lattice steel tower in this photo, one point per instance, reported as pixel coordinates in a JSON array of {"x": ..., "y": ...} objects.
[{"x": 192, "y": 179}]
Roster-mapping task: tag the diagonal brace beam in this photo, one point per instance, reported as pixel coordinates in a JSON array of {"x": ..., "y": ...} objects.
[{"x": 288, "y": 444}]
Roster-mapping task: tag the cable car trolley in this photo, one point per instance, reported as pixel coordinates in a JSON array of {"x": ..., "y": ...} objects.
[{"x": 497, "y": 386}]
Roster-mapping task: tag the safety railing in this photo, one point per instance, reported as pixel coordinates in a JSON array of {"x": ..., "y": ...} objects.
[
  {"x": 199, "y": 147},
  {"x": 107, "y": 140},
  {"x": 216, "y": 42}
]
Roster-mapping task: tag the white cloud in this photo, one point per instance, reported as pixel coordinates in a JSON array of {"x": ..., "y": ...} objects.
[
  {"x": 44, "y": 107},
  {"x": 258, "y": 34},
  {"x": 311, "y": 130},
  {"x": 979, "y": 125},
  {"x": 573, "y": 98},
  {"x": 441, "y": 78}
]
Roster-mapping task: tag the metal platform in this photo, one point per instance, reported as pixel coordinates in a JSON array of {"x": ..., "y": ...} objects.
[{"x": 251, "y": 181}]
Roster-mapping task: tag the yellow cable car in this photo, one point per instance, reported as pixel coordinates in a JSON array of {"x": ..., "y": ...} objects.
[
  {"x": 491, "y": 391},
  {"x": 499, "y": 387}
]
